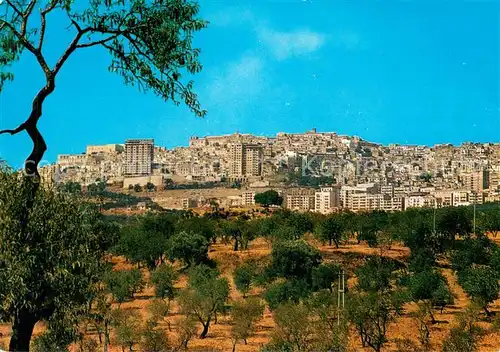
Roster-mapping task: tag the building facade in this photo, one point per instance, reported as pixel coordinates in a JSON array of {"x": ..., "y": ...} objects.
[{"x": 139, "y": 155}]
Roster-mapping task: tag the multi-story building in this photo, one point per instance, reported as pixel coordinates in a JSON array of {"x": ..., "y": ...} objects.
[
  {"x": 245, "y": 160},
  {"x": 139, "y": 155},
  {"x": 188, "y": 203},
  {"x": 300, "y": 199},
  {"x": 107, "y": 148},
  {"x": 443, "y": 198},
  {"x": 347, "y": 191},
  {"x": 460, "y": 198},
  {"x": 248, "y": 198},
  {"x": 476, "y": 181},
  {"x": 327, "y": 199},
  {"x": 419, "y": 200},
  {"x": 70, "y": 160}
]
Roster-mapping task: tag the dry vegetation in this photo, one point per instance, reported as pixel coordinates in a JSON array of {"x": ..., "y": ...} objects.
[{"x": 349, "y": 255}]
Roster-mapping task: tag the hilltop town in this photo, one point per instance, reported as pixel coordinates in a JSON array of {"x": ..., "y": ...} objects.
[{"x": 314, "y": 171}]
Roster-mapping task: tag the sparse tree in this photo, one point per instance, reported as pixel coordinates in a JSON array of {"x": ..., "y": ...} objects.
[
  {"x": 481, "y": 284},
  {"x": 150, "y": 187},
  {"x": 164, "y": 278},
  {"x": 123, "y": 284},
  {"x": 324, "y": 276},
  {"x": 186, "y": 330},
  {"x": 268, "y": 198},
  {"x": 244, "y": 316},
  {"x": 243, "y": 276},
  {"x": 159, "y": 310},
  {"x": 294, "y": 260},
  {"x": 128, "y": 328},
  {"x": 205, "y": 295},
  {"x": 294, "y": 327},
  {"x": 153, "y": 339}
]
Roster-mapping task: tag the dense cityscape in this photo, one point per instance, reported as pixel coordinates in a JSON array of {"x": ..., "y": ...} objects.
[
  {"x": 314, "y": 171},
  {"x": 311, "y": 241}
]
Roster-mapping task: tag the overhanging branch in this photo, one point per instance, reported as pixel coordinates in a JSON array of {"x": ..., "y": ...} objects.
[
  {"x": 97, "y": 42},
  {"x": 43, "y": 21},
  {"x": 26, "y": 14}
]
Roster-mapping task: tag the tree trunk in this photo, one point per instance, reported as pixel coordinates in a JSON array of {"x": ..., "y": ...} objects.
[
  {"x": 235, "y": 248},
  {"x": 106, "y": 336},
  {"x": 330, "y": 241},
  {"x": 22, "y": 329},
  {"x": 433, "y": 320},
  {"x": 205, "y": 329},
  {"x": 234, "y": 346}
]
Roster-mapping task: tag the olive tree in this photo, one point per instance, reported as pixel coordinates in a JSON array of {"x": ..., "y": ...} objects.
[
  {"x": 51, "y": 256},
  {"x": 205, "y": 296}
]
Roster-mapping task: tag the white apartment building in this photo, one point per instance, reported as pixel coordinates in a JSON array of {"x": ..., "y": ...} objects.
[
  {"x": 347, "y": 191},
  {"x": 248, "y": 198},
  {"x": 419, "y": 200},
  {"x": 327, "y": 199}
]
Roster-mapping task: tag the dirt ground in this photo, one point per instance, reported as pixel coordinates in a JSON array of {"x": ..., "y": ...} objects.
[{"x": 219, "y": 338}]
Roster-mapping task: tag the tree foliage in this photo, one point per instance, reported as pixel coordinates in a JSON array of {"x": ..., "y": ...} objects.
[
  {"x": 123, "y": 284},
  {"x": 330, "y": 229},
  {"x": 51, "y": 255},
  {"x": 244, "y": 316},
  {"x": 268, "y": 198},
  {"x": 189, "y": 247},
  {"x": 205, "y": 295},
  {"x": 164, "y": 278}
]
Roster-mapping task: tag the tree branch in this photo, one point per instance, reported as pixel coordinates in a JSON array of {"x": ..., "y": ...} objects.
[
  {"x": 43, "y": 13},
  {"x": 71, "y": 47},
  {"x": 29, "y": 46},
  {"x": 97, "y": 42},
  {"x": 14, "y": 8},
  {"x": 26, "y": 16},
  {"x": 13, "y": 132}
]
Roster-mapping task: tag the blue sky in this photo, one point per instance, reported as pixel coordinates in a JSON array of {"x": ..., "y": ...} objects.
[{"x": 416, "y": 72}]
